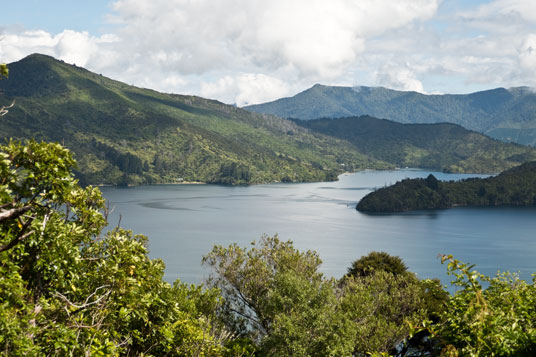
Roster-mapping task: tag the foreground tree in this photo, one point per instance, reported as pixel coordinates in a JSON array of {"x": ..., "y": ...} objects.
[
  {"x": 499, "y": 320},
  {"x": 275, "y": 296},
  {"x": 4, "y": 72},
  {"x": 382, "y": 306},
  {"x": 66, "y": 289}
]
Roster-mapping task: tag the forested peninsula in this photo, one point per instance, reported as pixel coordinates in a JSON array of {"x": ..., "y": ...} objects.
[{"x": 514, "y": 187}]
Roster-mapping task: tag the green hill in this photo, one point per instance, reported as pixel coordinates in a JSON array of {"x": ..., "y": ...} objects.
[
  {"x": 506, "y": 114},
  {"x": 443, "y": 146},
  {"x": 514, "y": 187},
  {"x": 121, "y": 134}
]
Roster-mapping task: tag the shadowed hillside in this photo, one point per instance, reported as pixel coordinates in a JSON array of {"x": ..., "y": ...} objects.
[{"x": 443, "y": 146}]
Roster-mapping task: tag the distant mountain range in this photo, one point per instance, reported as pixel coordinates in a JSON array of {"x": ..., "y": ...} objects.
[
  {"x": 443, "y": 146},
  {"x": 121, "y": 134},
  {"x": 505, "y": 114}
]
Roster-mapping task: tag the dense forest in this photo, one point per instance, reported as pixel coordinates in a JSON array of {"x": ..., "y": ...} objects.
[
  {"x": 514, "y": 187},
  {"x": 443, "y": 146},
  {"x": 505, "y": 114},
  {"x": 69, "y": 287},
  {"x": 120, "y": 134}
]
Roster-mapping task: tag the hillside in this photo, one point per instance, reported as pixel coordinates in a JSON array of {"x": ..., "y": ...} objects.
[
  {"x": 443, "y": 146},
  {"x": 514, "y": 187},
  {"x": 121, "y": 134},
  {"x": 505, "y": 114}
]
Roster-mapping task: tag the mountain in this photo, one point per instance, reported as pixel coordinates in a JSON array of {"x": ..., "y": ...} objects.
[
  {"x": 442, "y": 146},
  {"x": 514, "y": 187},
  {"x": 505, "y": 114},
  {"x": 121, "y": 134}
]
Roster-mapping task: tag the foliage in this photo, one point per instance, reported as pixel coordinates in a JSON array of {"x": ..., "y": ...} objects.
[
  {"x": 499, "y": 320},
  {"x": 514, "y": 187},
  {"x": 377, "y": 261},
  {"x": 275, "y": 295},
  {"x": 384, "y": 300},
  {"x": 4, "y": 72},
  {"x": 382, "y": 306},
  {"x": 507, "y": 114},
  {"x": 234, "y": 173},
  {"x": 67, "y": 290},
  {"x": 121, "y": 134},
  {"x": 442, "y": 146}
]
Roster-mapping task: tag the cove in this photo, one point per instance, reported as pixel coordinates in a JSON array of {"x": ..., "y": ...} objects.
[{"x": 183, "y": 222}]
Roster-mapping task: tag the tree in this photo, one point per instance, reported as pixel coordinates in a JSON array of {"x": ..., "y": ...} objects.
[
  {"x": 499, "y": 320},
  {"x": 276, "y": 296},
  {"x": 384, "y": 300},
  {"x": 377, "y": 261},
  {"x": 68, "y": 289},
  {"x": 4, "y": 72},
  {"x": 382, "y": 306},
  {"x": 432, "y": 182}
]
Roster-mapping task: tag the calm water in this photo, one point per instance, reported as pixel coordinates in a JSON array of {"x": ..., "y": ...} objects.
[{"x": 183, "y": 222}]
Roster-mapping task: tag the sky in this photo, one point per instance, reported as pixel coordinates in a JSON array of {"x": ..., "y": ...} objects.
[{"x": 253, "y": 51}]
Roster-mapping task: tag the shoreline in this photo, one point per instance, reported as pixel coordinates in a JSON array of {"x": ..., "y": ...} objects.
[{"x": 273, "y": 182}]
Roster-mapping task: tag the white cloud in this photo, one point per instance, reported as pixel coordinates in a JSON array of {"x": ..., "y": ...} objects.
[
  {"x": 245, "y": 89},
  {"x": 527, "y": 54},
  {"x": 71, "y": 46},
  {"x": 504, "y": 10},
  {"x": 75, "y": 47},
  {"x": 313, "y": 37},
  {"x": 478, "y": 48},
  {"x": 205, "y": 47},
  {"x": 400, "y": 78},
  {"x": 246, "y": 51},
  {"x": 504, "y": 52},
  {"x": 299, "y": 41}
]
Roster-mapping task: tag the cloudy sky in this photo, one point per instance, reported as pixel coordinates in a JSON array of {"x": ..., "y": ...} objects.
[{"x": 252, "y": 51}]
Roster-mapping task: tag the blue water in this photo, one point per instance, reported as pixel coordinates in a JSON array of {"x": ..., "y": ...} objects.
[{"x": 183, "y": 223}]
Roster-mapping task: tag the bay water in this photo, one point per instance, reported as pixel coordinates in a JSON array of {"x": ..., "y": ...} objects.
[{"x": 184, "y": 222}]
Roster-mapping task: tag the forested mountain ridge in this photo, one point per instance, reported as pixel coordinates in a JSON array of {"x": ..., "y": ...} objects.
[
  {"x": 442, "y": 146},
  {"x": 506, "y": 114},
  {"x": 121, "y": 134},
  {"x": 514, "y": 187}
]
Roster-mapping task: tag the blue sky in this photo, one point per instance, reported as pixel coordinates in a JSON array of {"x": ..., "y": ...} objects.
[
  {"x": 54, "y": 16},
  {"x": 251, "y": 51}
]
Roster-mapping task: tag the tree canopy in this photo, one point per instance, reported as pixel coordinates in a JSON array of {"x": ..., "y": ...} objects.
[{"x": 67, "y": 288}]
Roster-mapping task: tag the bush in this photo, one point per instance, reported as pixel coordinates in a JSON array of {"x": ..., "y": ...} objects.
[{"x": 377, "y": 261}]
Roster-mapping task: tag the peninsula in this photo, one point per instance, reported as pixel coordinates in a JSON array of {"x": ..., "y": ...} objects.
[{"x": 513, "y": 187}]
